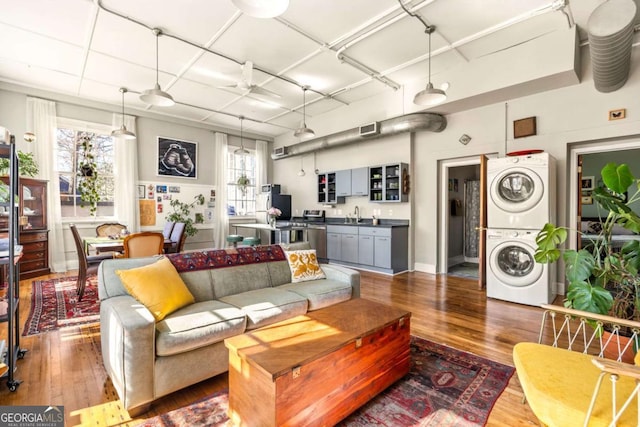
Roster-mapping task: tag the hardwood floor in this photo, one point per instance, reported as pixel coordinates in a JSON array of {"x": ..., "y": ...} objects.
[{"x": 64, "y": 367}]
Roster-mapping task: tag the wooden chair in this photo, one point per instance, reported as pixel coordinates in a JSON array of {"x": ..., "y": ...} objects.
[
  {"x": 87, "y": 264},
  {"x": 110, "y": 229},
  {"x": 168, "y": 228},
  {"x": 143, "y": 244},
  {"x": 178, "y": 237},
  {"x": 568, "y": 382}
]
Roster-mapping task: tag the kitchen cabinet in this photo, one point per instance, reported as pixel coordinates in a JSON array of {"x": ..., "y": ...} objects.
[
  {"x": 383, "y": 249},
  {"x": 389, "y": 183},
  {"x": 360, "y": 182},
  {"x": 33, "y": 233},
  {"x": 343, "y": 183},
  {"x": 327, "y": 184}
]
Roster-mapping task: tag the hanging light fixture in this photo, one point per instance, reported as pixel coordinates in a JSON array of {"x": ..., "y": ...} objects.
[
  {"x": 241, "y": 150},
  {"x": 303, "y": 131},
  {"x": 431, "y": 95},
  {"x": 262, "y": 8},
  {"x": 157, "y": 96},
  {"x": 123, "y": 132},
  {"x": 301, "y": 171}
]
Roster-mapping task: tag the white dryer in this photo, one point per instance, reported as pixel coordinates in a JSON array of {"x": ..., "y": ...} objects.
[
  {"x": 512, "y": 273},
  {"x": 521, "y": 191}
]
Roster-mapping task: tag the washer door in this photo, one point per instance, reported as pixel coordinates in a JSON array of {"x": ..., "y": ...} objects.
[
  {"x": 516, "y": 190},
  {"x": 513, "y": 264}
]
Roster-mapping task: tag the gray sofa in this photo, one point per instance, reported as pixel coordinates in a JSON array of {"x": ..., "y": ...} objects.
[{"x": 234, "y": 290}]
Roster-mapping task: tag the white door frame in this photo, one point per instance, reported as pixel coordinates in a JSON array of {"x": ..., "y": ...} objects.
[
  {"x": 589, "y": 148},
  {"x": 443, "y": 211}
]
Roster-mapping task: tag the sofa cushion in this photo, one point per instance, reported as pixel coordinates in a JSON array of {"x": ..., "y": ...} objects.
[
  {"x": 198, "y": 325},
  {"x": 268, "y": 305},
  {"x": 158, "y": 287},
  {"x": 321, "y": 293},
  {"x": 304, "y": 266},
  {"x": 231, "y": 281}
]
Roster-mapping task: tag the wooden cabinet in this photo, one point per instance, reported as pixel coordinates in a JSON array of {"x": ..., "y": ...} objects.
[
  {"x": 33, "y": 233},
  {"x": 386, "y": 183}
]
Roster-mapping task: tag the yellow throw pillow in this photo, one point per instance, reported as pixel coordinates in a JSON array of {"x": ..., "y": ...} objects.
[
  {"x": 158, "y": 287},
  {"x": 304, "y": 266}
]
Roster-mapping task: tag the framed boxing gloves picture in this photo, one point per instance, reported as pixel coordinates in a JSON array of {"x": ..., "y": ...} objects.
[{"x": 177, "y": 158}]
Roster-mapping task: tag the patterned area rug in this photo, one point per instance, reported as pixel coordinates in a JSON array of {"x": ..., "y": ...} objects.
[
  {"x": 445, "y": 387},
  {"x": 54, "y": 304}
]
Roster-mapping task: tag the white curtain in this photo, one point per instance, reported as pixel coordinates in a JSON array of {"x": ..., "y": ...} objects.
[
  {"x": 42, "y": 121},
  {"x": 221, "y": 218},
  {"x": 262, "y": 162},
  {"x": 126, "y": 175}
]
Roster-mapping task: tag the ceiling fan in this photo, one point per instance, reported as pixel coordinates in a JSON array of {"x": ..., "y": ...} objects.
[{"x": 246, "y": 82}]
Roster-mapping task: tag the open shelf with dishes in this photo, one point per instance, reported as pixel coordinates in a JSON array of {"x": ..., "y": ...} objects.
[{"x": 386, "y": 183}]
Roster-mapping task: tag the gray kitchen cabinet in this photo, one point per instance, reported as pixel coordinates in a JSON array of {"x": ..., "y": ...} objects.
[
  {"x": 360, "y": 182},
  {"x": 349, "y": 243},
  {"x": 365, "y": 249},
  {"x": 382, "y": 252},
  {"x": 343, "y": 183},
  {"x": 327, "y": 188},
  {"x": 334, "y": 246},
  {"x": 389, "y": 183}
]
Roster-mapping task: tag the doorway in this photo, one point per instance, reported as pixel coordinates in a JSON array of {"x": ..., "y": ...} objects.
[
  {"x": 593, "y": 156},
  {"x": 459, "y": 210}
]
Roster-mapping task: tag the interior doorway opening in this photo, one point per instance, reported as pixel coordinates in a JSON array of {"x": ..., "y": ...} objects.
[{"x": 458, "y": 218}]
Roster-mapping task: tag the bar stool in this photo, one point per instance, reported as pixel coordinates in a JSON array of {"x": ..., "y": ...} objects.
[
  {"x": 234, "y": 239},
  {"x": 251, "y": 241}
]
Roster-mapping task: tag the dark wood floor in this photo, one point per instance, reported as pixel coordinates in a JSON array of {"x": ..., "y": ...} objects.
[{"x": 64, "y": 367}]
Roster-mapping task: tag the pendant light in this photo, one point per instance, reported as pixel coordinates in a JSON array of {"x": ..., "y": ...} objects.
[
  {"x": 262, "y": 8},
  {"x": 303, "y": 131},
  {"x": 241, "y": 150},
  {"x": 301, "y": 171},
  {"x": 123, "y": 132},
  {"x": 431, "y": 95},
  {"x": 157, "y": 96}
]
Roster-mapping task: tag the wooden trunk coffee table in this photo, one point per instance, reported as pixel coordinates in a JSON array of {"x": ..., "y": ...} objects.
[{"x": 317, "y": 368}]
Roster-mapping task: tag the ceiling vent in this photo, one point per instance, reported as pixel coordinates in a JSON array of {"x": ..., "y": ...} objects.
[
  {"x": 610, "y": 29},
  {"x": 370, "y": 129},
  {"x": 279, "y": 152}
]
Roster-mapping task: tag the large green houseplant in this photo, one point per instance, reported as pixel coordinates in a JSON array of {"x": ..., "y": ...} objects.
[
  {"x": 602, "y": 278},
  {"x": 182, "y": 213}
]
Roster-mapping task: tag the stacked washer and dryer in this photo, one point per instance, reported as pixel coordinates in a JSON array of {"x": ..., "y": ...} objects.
[{"x": 521, "y": 200}]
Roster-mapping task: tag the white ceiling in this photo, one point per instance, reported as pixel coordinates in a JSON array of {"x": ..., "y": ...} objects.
[{"x": 90, "y": 49}]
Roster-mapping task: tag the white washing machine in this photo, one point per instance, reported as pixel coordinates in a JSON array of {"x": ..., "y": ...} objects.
[
  {"x": 521, "y": 191},
  {"x": 512, "y": 273}
]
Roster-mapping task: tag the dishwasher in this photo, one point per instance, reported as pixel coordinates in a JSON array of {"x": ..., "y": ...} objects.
[
  {"x": 317, "y": 237},
  {"x": 316, "y": 232}
]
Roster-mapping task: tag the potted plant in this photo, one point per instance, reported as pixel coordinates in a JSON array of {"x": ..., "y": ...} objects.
[
  {"x": 27, "y": 165},
  {"x": 182, "y": 213},
  {"x": 602, "y": 278},
  {"x": 88, "y": 176},
  {"x": 243, "y": 182}
]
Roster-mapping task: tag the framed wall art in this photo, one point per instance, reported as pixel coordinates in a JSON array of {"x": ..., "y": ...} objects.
[
  {"x": 586, "y": 183},
  {"x": 177, "y": 158},
  {"x": 524, "y": 127},
  {"x": 142, "y": 191}
]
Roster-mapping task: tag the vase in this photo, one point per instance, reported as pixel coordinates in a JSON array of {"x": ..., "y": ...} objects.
[{"x": 272, "y": 221}]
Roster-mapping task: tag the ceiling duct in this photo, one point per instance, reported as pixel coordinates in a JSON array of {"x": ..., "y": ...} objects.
[
  {"x": 610, "y": 29},
  {"x": 408, "y": 123}
]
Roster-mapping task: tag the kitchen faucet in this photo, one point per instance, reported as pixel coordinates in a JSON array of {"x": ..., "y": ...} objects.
[{"x": 357, "y": 214}]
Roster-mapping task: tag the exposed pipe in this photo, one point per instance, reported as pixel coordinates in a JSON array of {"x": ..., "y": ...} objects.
[{"x": 408, "y": 123}]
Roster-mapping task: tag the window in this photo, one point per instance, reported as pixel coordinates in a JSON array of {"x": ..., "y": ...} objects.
[
  {"x": 69, "y": 136},
  {"x": 241, "y": 187}
]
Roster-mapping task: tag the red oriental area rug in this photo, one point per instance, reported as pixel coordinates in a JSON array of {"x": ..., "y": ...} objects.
[
  {"x": 445, "y": 387},
  {"x": 54, "y": 304}
]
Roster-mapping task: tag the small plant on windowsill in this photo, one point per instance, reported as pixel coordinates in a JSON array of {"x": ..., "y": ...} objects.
[
  {"x": 88, "y": 176},
  {"x": 182, "y": 213}
]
